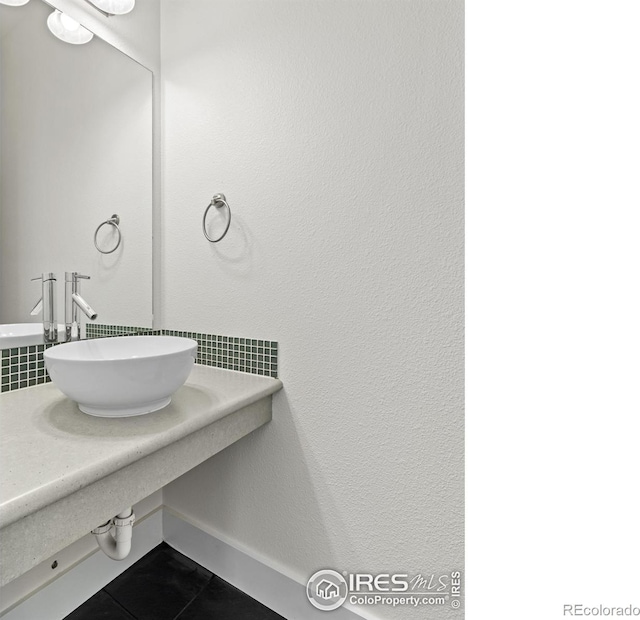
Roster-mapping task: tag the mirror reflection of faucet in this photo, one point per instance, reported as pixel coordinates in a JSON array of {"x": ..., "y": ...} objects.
[
  {"x": 73, "y": 301},
  {"x": 47, "y": 305}
]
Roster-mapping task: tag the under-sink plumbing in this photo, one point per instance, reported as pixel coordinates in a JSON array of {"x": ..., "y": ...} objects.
[{"x": 117, "y": 543}]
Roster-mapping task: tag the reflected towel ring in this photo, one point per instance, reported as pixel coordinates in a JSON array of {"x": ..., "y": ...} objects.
[
  {"x": 219, "y": 201},
  {"x": 114, "y": 220}
]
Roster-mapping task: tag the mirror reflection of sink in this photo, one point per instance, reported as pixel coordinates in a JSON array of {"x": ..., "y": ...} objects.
[
  {"x": 122, "y": 376},
  {"x": 14, "y": 335}
]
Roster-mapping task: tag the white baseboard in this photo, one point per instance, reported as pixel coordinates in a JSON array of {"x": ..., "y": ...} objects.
[
  {"x": 279, "y": 592},
  {"x": 60, "y": 597}
]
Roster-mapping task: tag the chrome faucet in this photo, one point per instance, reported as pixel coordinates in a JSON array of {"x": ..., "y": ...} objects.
[
  {"x": 47, "y": 305},
  {"x": 73, "y": 301}
]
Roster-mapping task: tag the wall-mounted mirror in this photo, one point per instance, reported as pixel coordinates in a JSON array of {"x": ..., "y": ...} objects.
[{"x": 75, "y": 148}]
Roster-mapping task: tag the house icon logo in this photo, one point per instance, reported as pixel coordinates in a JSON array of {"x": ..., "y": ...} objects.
[{"x": 327, "y": 590}]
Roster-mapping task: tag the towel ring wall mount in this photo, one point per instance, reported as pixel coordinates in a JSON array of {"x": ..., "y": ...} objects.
[
  {"x": 218, "y": 201},
  {"x": 114, "y": 220}
]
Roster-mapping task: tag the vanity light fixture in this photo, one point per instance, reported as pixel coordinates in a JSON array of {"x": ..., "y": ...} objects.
[
  {"x": 68, "y": 29},
  {"x": 113, "y": 7},
  {"x": 14, "y": 2}
]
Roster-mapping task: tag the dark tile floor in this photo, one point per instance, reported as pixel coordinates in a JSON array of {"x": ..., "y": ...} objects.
[{"x": 166, "y": 585}]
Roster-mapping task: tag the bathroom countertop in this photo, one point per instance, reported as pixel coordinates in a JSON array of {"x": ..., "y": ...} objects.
[{"x": 49, "y": 449}]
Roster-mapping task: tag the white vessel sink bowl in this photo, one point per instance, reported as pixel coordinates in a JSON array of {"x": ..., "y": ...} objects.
[{"x": 124, "y": 376}]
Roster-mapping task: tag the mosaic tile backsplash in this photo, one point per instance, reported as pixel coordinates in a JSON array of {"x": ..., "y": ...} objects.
[
  {"x": 23, "y": 367},
  {"x": 96, "y": 330}
]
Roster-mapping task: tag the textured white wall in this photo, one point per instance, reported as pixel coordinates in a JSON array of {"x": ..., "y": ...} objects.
[
  {"x": 335, "y": 128},
  {"x": 76, "y": 147}
]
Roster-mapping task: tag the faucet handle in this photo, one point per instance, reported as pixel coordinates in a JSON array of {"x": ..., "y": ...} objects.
[
  {"x": 74, "y": 276},
  {"x": 45, "y": 277}
]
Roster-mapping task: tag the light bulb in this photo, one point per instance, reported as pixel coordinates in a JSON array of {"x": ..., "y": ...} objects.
[
  {"x": 114, "y": 7},
  {"x": 68, "y": 29},
  {"x": 69, "y": 24}
]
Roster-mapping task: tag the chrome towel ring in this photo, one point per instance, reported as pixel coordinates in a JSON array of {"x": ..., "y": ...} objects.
[
  {"x": 218, "y": 201},
  {"x": 114, "y": 220}
]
